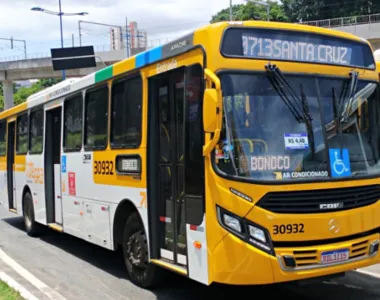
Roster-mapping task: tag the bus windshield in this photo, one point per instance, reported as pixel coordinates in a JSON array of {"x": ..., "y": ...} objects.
[{"x": 320, "y": 127}]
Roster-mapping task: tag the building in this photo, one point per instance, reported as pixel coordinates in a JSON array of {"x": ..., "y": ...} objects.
[{"x": 137, "y": 40}]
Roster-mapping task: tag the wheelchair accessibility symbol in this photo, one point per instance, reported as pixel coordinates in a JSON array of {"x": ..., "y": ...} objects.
[{"x": 340, "y": 162}]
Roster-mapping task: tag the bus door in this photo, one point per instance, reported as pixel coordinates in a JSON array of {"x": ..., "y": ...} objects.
[
  {"x": 175, "y": 169},
  {"x": 10, "y": 165},
  {"x": 53, "y": 166}
]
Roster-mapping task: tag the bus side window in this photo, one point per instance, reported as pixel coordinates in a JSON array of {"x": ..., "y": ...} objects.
[
  {"x": 22, "y": 134},
  {"x": 126, "y": 110},
  {"x": 36, "y": 131},
  {"x": 72, "y": 136},
  {"x": 96, "y": 119}
]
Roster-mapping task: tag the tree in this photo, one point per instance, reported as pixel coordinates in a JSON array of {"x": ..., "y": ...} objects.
[
  {"x": 21, "y": 94},
  {"x": 308, "y": 10},
  {"x": 251, "y": 11}
]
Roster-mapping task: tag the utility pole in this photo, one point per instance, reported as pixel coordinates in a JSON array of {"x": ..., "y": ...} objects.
[
  {"x": 12, "y": 40},
  {"x": 126, "y": 37},
  {"x": 230, "y": 10},
  {"x": 80, "y": 33}
]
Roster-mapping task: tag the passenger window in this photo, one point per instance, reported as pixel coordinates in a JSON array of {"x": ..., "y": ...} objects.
[
  {"x": 3, "y": 143},
  {"x": 22, "y": 134},
  {"x": 36, "y": 131},
  {"x": 72, "y": 136},
  {"x": 96, "y": 112},
  {"x": 126, "y": 113}
]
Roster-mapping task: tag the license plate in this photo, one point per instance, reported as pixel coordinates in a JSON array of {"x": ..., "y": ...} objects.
[{"x": 330, "y": 257}]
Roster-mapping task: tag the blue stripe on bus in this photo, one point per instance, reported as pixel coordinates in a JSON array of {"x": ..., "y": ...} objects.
[{"x": 148, "y": 57}]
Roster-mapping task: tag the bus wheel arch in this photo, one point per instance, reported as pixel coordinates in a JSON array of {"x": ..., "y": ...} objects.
[
  {"x": 125, "y": 209},
  {"x": 129, "y": 228}
]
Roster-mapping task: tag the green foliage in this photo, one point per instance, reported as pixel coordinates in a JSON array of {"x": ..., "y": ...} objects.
[
  {"x": 7, "y": 293},
  {"x": 251, "y": 11},
  {"x": 22, "y": 93},
  {"x": 297, "y": 10}
]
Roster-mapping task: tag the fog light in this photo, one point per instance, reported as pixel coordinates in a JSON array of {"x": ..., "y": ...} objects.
[
  {"x": 374, "y": 247},
  {"x": 289, "y": 261}
]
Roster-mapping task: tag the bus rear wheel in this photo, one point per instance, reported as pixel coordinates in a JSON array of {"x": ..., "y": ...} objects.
[
  {"x": 135, "y": 251},
  {"x": 31, "y": 226}
]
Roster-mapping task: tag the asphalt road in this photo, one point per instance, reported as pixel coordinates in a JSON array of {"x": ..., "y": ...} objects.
[{"x": 78, "y": 270}]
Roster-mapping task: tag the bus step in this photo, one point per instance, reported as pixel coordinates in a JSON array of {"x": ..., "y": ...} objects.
[
  {"x": 55, "y": 227},
  {"x": 13, "y": 210},
  {"x": 179, "y": 269}
]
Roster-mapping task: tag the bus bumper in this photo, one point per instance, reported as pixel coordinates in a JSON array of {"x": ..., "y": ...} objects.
[
  {"x": 238, "y": 263},
  {"x": 305, "y": 262}
]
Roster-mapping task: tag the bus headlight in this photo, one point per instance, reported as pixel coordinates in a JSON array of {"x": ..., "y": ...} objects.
[
  {"x": 246, "y": 230},
  {"x": 257, "y": 233},
  {"x": 232, "y": 222}
]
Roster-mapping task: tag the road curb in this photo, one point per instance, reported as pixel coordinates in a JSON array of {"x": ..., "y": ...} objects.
[
  {"x": 372, "y": 274},
  {"x": 16, "y": 286}
]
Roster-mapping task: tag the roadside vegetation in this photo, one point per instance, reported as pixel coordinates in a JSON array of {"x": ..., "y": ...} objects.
[
  {"x": 22, "y": 93},
  {"x": 7, "y": 293}
]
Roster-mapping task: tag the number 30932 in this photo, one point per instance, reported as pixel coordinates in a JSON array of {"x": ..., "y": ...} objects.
[
  {"x": 104, "y": 167},
  {"x": 288, "y": 228}
]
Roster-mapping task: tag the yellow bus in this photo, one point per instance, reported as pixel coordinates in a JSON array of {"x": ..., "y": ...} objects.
[{"x": 243, "y": 153}]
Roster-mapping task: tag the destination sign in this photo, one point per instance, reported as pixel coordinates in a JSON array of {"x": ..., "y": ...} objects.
[
  {"x": 296, "y": 46},
  {"x": 289, "y": 50}
]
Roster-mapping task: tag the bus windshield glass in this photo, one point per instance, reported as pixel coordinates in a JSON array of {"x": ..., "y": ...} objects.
[{"x": 318, "y": 127}]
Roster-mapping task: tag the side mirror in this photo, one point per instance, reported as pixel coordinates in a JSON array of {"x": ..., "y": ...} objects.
[{"x": 210, "y": 101}]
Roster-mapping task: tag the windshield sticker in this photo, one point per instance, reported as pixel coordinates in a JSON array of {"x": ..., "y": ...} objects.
[
  {"x": 270, "y": 163},
  {"x": 227, "y": 146},
  {"x": 219, "y": 154},
  {"x": 301, "y": 175},
  {"x": 296, "y": 141},
  {"x": 340, "y": 162}
]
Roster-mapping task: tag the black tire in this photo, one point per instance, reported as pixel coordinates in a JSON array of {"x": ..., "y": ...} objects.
[
  {"x": 32, "y": 228},
  {"x": 135, "y": 252}
]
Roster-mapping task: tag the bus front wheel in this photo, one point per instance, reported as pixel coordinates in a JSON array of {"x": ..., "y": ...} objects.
[
  {"x": 135, "y": 251},
  {"x": 31, "y": 226}
]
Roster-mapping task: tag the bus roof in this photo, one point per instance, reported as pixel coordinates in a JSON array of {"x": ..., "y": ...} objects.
[{"x": 157, "y": 54}]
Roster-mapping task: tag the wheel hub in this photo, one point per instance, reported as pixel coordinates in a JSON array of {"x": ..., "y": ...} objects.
[{"x": 136, "y": 251}]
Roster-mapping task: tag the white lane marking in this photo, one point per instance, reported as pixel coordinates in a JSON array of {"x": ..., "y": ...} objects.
[
  {"x": 373, "y": 274},
  {"x": 30, "y": 277},
  {"x": 16, "y": 286}
]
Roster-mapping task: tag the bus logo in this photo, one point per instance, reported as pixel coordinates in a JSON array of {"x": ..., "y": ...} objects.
[
  {"x": 334, "y": 226},
  {"x": 331, "y": 205}
]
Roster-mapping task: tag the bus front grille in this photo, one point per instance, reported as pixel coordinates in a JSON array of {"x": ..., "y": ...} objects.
[
  {"x": 320, "y": 201},
  {"x": 311, "y": 256}
]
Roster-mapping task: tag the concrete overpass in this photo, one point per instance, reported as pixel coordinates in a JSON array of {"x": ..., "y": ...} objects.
[
  {"x": 366, "y": 26},
  {"x": 40, "y": 68}
]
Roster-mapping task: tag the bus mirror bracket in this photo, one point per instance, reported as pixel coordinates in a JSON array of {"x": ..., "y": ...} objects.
[{"x": 212, "y": 110}]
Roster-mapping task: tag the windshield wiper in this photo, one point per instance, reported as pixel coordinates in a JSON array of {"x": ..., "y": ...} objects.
[
  {"x": 308, "y": 119},
  {"x": 275, "y": 79},
  {"x": 337, "y": 114},
  {"x": 353, "y": 84},
  {"x": 299, "y": 107}
]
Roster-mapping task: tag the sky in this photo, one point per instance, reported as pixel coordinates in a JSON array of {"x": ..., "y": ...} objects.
[{"x": 162, "y": 19}]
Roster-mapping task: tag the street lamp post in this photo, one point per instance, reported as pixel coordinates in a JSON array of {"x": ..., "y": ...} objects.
[
  {"x": 262, "y": 3},
  {"x": 60, "y": 14}
]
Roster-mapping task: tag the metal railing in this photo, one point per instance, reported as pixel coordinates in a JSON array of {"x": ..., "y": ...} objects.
[
  {"x": 99, "y": 48},
  {"x": 346, "y": 21},
  {"x": 39, "y": 55}
]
